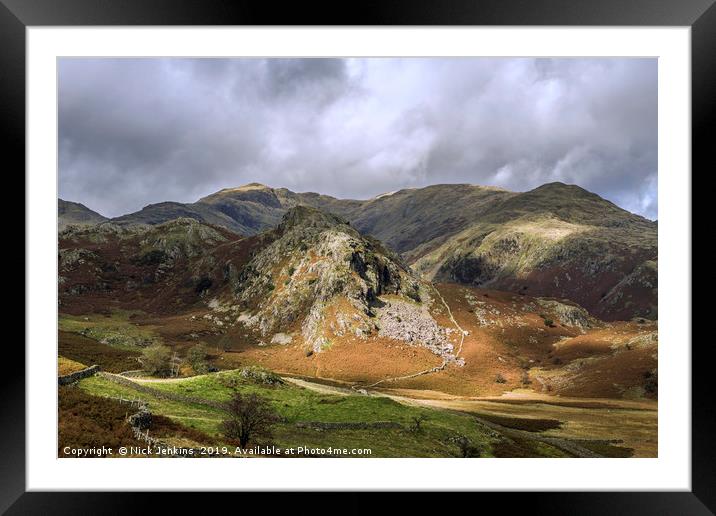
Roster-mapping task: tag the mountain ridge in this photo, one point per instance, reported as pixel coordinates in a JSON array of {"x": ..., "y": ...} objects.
[
  {"x": 556, "y": 240},
  {"x": 69, "y": 212}
]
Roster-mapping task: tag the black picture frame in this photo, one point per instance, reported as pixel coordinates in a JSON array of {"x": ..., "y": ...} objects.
[{"x": 700, "y": 15}]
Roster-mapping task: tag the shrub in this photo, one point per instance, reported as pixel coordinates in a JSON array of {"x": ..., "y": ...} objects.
[
  {"x": 519, "y": 423},
  {"x": 465, "y": 447},
  {"x": 416, "y": 425},
  {"x": 651, "y": 382},
  {"x": 156, "y": 360},
  {"x": 500, "y": 379},
  {"x": 196, "y": 356}
]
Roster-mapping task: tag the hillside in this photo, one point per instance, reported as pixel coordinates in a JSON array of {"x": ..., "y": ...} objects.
[
  {"x": 161, "y": 268},
  {"x": 310, "y": 276},
  {"x": 556, "y": 240},
  {"x": 314, "y": 297},
  {"x": 69, "y": 212}
]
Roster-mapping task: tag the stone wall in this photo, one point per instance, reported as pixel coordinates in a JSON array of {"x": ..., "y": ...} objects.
[
  {"x": 320, "y": 425},
  {"x": 78, "y": 375},
  {"x": 157, "y": 393}
]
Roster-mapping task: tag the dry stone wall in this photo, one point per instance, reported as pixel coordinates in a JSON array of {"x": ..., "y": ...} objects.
[{"x": 78, "y": 375}]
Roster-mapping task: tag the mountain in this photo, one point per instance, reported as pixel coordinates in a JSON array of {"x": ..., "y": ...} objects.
[
  {"x": 407, "y": 220},
  {"x": 402, "y": 219},
  {"x": 319, "y": 275},
  {"x": 556, "y": 240},
  {"x": 246, "y": 210},
  {"x": 75, "y": 213},
  {"x": 315, "y": 297},
  {"x": 312, "y": 276}
]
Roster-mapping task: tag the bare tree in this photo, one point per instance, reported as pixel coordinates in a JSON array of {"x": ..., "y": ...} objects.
[
  {"x": 175, "y": 364},
  {"x": 250, "y": 417}
]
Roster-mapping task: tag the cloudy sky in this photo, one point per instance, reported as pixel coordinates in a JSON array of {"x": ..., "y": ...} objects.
[{"x": 138, "y": 131}]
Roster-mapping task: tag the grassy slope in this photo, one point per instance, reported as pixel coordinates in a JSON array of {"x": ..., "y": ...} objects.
[{"x": 295, "y": 404}]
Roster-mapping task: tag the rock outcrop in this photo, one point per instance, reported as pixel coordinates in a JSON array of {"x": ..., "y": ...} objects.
[{"x": 316, "y": 261}]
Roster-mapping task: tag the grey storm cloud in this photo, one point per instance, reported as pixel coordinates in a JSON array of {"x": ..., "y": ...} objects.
[{"x": 138, "y": 131}]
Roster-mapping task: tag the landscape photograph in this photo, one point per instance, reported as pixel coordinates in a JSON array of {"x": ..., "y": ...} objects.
[{"x": 357, "y": 258}]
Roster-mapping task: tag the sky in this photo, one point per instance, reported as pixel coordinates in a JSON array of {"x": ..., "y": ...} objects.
[{"x": 143, "y": 130}]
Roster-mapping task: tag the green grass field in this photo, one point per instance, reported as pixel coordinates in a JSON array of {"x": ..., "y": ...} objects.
[{"x": 295, "y": 405}]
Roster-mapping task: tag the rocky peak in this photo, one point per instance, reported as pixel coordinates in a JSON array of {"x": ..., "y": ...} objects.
[{"x": 315, "y": 262}]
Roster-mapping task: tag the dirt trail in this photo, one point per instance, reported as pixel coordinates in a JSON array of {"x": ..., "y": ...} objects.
[
  {"x": 462, "y": 332},
  {"x": 196, "y": 418},
  {"x": 319, "y": 387}
]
